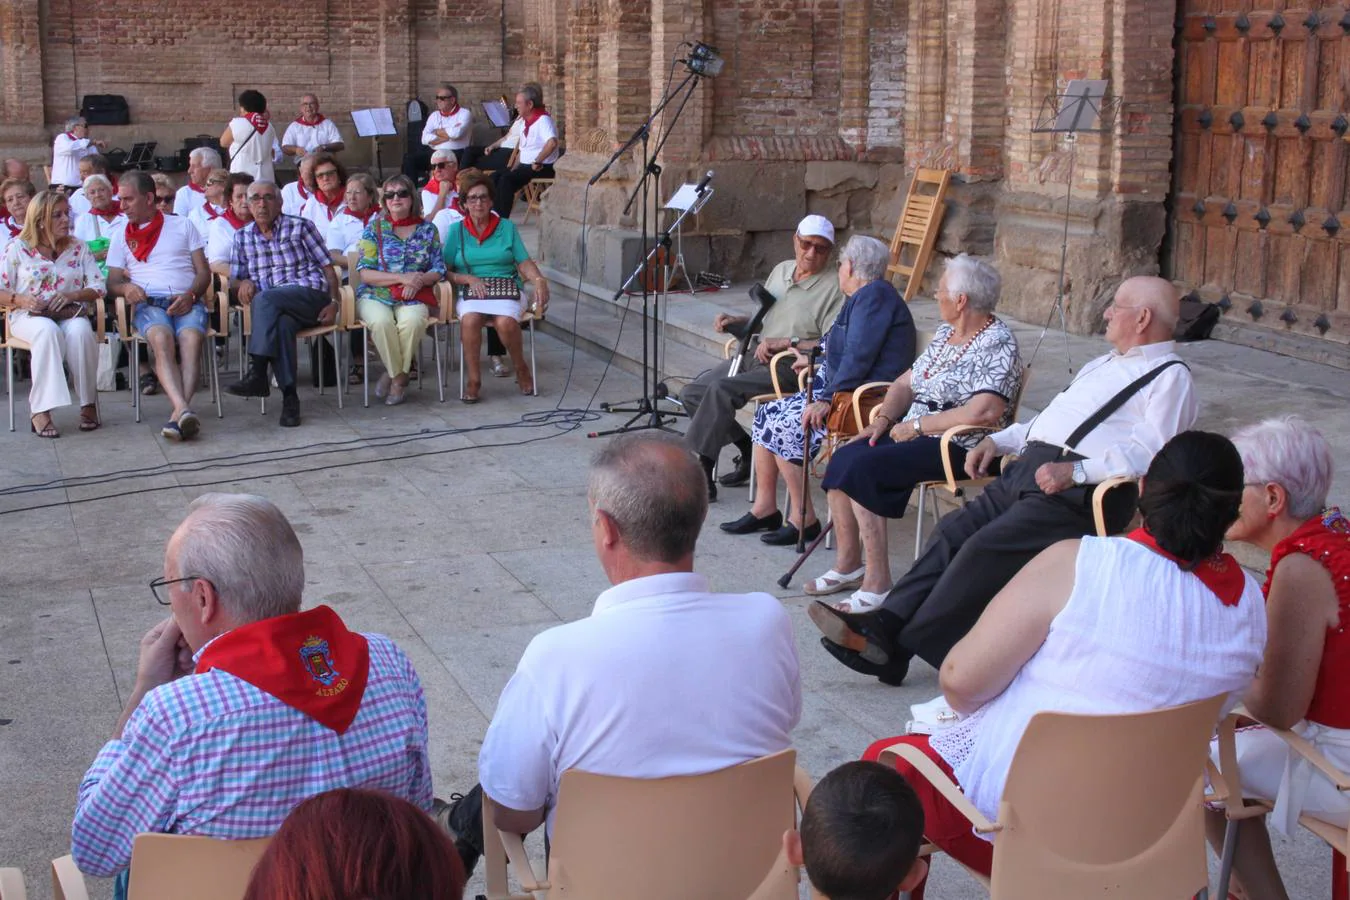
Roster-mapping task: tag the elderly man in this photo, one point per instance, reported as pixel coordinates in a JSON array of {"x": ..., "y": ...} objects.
[
  {"x": 311, "y": 132},
  {"x": 441, "y": 190},
  {"x": 156, "y": 263},
  {"x": 243, "y": 704},
  {"x": 192, "y": 196},
  {"x": 449, "y": 125},
  {"x": 631, "y": 689},
  {"x": 295, "y": 195},
  {"x": 71, "y": 146},
  {"x": 283, "y": 271},
  {"x": 536, "y": 152},
  {"x": 16, "y": 169},
  {"x": 808, "y": 301},
  {"x": 1115, "y": 415}
]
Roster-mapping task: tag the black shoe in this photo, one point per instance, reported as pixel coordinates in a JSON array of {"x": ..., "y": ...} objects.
[
  {"x": 254, "y": 384},
  {"x": 290, "y": 411},
  {"x": 462, "y": 817},
  {"x": 891, "y": 673},
  {"x": 786, "y": 536},
  {"x": 750, "y": 523},
  {"x": 708, "y": 465},
  {"x": 739, "y": 475}
]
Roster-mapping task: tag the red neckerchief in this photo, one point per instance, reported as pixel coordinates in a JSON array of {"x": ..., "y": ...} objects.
[
  {"x": 235, "y": 222},
  {"x": 71, "y": 135},
  {"x": 259, "y": 121},
  {"x": 308, "y": 660},
  {"x": 318, "y": 119},
  {"x": 487, "y": 232},
  {"x": 533, "y": 116},
  {"x": 211, "y": 211},
  {"x": 300, "y": 189},
  {"x": 141, "y": 239},
  {"x": 14, "y": 229},
  {"x": 404, "y": 223},
  {"x": 454, "y": 109},
  {"x": 332, "y": 204},
  {"x": 109, "y": 212},
  {"x": 432, "y": 186},
  {"x": 364, "y": 217},
  {"x": 192, "y": 185},
  {"x": 1220, "y": 573}
]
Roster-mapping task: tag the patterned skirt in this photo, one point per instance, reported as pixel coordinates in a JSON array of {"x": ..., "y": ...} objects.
[{"x": 778, "y": 424}]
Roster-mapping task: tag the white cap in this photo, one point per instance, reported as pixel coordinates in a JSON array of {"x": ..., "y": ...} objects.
[{"x": 816, "y": 226}]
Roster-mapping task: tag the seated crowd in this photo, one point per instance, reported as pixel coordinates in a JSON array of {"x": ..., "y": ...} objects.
[{"x": 1016, "y": 600}]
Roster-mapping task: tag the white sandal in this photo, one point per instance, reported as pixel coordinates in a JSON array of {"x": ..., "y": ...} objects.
[
  {"x": 833, "y": 582},
  {"x": 860, "y": 601}
]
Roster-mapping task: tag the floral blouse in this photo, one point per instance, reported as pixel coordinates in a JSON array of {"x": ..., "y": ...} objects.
[
  {"x": 945, "y": 376},
  {"x": 25, "y": 271},
  {"x": 384, "y": 251}
]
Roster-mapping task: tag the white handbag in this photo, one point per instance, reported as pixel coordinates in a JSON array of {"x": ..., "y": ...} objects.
[{"x": 106, "y": 379}]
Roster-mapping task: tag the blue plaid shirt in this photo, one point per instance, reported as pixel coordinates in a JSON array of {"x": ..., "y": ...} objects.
[
  {"x": 296, "y": 255},
  {"x": 213, "y": 755}
]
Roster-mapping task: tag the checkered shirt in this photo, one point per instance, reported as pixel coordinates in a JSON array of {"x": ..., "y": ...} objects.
[
  {"x": 213, "y": 755},
  {"x": 295, "y": 255}
]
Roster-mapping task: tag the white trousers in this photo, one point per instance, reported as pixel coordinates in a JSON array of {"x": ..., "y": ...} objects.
[{"x": 70, "y": 342}]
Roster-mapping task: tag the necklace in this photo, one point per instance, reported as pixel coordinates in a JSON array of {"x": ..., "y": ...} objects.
[{"x": 943, "y": 360}]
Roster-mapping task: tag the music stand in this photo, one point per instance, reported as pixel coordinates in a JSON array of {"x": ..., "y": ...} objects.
[
  {"x": 1081, "y": 109},
  {"x": 374, "y": 123}
]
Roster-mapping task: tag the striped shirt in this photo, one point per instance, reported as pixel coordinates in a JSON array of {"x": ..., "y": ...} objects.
[
  {"x": 294, "y": 255},
  {"x": 213, "y": 755}
]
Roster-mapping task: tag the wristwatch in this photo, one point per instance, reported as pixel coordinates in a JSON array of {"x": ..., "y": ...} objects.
[
  {"x": 918, "y": 428},
  {"x": 1079, "y": 475}
]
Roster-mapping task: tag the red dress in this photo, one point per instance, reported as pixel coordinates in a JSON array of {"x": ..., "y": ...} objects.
[{"x": 1326, "y": 539}]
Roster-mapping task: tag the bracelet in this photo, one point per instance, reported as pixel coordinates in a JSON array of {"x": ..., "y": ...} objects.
[{"x": 886, "y": 417}]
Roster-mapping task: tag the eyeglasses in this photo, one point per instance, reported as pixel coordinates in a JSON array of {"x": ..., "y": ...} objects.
[
  {"x": 160, "y": 588},
  {"x": 263, "y": 198},
  {"x": 400, "y": 194},
  {"x": 478, "y": 198},
  {"x": 162, "y": 199},
  {"x": 444, "y": 97},
  {"x": 443, "y": 164},
  {"x": 326, "y": 173},
  {"x": 818, "y": 247},
  {"x": 216, "y": 182}
]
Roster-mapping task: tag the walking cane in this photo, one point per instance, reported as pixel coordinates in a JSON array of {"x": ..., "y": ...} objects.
[
  {"x": 787, "y": 577},
  {"x": 806, "y": 440}
]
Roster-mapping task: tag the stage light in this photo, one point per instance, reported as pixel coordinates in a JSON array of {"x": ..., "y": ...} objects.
[{"x": 704, "y": 60}]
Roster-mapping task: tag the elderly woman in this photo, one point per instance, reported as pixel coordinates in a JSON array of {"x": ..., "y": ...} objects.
[
  {"x": 1102, "y": 626},
  {"x": 215, "y": 200},
  {"x": 968, "y": 375},
  {"x": 330, "y": 183},
  {"x": 485, "y": 246},
  {"x": 104, "y": 220},
  {"x": 442, "y": 188},
  {"x": 400, "y": 261},
  {"x": 358, "y": 208},
  {"x": 15, "y": 195},
  {"x": 51, "y": 282},
  {"x": 871, "y": 340},
  {"x": 1304, "y": 680}
]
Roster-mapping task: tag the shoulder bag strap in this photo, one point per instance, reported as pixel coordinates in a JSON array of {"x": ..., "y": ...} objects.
[
  {"x": 1119, "y": 400},
  {"x": 235, "y": 150}
]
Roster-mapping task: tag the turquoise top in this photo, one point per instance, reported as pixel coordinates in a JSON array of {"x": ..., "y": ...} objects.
[{"x": 497, "y": 257}]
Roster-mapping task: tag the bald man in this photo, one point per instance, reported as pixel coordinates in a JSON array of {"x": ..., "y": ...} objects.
[
  {"x": 311, "y": 132},
  {"x": 1109, "y": 421},
  {"x": 16, "y": 168}
]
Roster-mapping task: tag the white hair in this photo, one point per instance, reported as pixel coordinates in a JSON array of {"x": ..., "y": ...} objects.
[
  {"x": 247, "y": 549},
  {"x": 441, "y": 155},
  {"x": 97, "y": 179},
  {"x": 207, "y": 156},
  {"x": 975, "y": 278},
  {"x": 1292, "y": 453},
  {"x": 868, "y": 255},
  {"x": 73, "y": 121},
  {"x": 654, "y": 490}
]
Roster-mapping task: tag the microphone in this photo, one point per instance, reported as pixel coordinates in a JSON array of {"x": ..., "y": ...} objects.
[{"x": 703, "y": 182}]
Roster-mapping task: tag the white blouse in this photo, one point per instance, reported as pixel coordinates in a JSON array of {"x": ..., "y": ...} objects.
[
  {"x": 90, "y": 227},
  {"x": 23, "y": 270}
]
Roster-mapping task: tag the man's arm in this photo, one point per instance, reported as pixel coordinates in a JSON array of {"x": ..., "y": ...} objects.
[
  {"x": 458, "y": 125},
  {"x": 515, "y": 764},
  {"x": 330, "y": 139},
  {"x": 432, "y": 134},
  {"x": 545, "y": 152},
  {"x": 1169, "y": 409}
]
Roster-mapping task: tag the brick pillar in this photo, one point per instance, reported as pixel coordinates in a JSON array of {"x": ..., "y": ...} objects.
[
  {"x": 624, "y": 65},
  {"x": 21, "y": 87},
  {"x": 979, "y": 80},
  {"x": 673, "y": 22},
  {"x": 926, "y": 84},
  {"x": 855, "y": 81}
]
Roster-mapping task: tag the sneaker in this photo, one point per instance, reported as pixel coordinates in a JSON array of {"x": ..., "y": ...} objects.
[
  {"x": 462, "y": 819},
  {"x": 499, "y": 367}
]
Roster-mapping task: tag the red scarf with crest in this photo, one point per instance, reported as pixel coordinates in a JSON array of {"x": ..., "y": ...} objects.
[
  {"x": 308, "y": 660},
  {"x": 533, "y": 116},
  {"x": 259, "y": 121},
  {"x": 318, "y": 120},
  {"x": 235, "y": 222},
  {"x": 141, "y": 239},
  {"x": 1220, "y": 572},
  {"x": 493, "y": 221},
  {"x": 109, "y": 212}
]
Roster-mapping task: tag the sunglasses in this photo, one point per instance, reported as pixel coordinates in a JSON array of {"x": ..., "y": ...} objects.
[
  {"x": 444, "y": 97},
  {"x": 814, "y": 247},
  {"x": 400, "y": 194},
  {"x": 160, "y": 199},
  {"x": 216, "y": 182},
  {"x": 442, "y": 165}
]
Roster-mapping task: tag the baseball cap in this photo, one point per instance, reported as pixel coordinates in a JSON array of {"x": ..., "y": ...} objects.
[{"x": 816, "y": 226}]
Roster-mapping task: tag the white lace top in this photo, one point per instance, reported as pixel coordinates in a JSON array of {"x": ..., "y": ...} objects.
[{"x": 1137, "y": 634}]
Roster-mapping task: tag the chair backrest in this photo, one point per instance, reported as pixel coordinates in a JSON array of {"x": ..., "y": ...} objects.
[
  {"x": 186, "y": 867},
  {"x": 916, "y": 232},
  {"x": 12, "y": 886},
  {"x": 708, "y": 836},
  {"x": 1106, "y": 804}
]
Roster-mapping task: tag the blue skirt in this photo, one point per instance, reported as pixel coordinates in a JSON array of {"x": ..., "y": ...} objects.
[{"x": 881, "y": 478}]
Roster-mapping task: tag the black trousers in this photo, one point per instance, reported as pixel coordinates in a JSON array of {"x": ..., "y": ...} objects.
[
  {"x": 977, "y": 550},
  {"x": 508, "y": 181}
]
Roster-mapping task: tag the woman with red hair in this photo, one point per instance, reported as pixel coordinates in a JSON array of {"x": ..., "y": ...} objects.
[{"x": 352, "y": 844}]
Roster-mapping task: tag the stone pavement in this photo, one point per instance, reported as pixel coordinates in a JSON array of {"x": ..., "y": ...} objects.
[{"x": 460, "y": 531}]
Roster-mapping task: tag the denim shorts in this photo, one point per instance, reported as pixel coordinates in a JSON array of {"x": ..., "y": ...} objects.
[{"x": 153, "y": 312}]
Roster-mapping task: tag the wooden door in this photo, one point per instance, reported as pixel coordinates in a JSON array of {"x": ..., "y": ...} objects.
[{"x": 1258, "y": 211}]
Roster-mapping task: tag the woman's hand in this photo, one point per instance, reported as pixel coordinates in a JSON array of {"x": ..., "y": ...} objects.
[
  {"x": 477, "y": 287},
  {"x": 26, "y": 301},
  {"x": 540, "y": 297},
  {"x": 903, "y": 431},
  {"x": 815, "y": 414},
  {"x": 412, "y": 282},
  {"x": 801, "y": 362},
  {"x": 873, "y": 431}
]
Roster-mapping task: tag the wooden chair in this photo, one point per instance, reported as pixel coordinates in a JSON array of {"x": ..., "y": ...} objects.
[
  {"x": 132, "y": 338},
  {"x": 10, "y": 343},
  {"x": 917, "y": 231},
  {"x": 12, "y": 886},
  {"x": 533, "y": 192},
  {"x": 708, "y": 836},
  {"x": 1227, "y": 781},
  {"x": 174, "y": 867},
  {"x": 1097, "y": 805}
]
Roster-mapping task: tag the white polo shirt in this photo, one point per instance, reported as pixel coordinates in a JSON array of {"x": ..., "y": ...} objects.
[
  {"x": 457, "y": 125},
  {"x": 311, "y": 137},
  {"x": 664, "y": 678},
  {"x": 292, "y": 201},
  {"x": 344, "y": 231},
  {"x": 318, "y": 212},
  {"x": 186, "y": 201},
  {"x": 532, "y": 142},
  {"x": 89, "y": 227},
  {"x": 202, "y": 217},
  {"x": 168, "y": 270}
]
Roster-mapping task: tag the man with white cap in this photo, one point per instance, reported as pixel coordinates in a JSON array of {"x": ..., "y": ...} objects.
[{"x": 809, "y": 298}]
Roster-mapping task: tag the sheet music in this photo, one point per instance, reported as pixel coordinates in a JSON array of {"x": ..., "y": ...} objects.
[
  {"x": 374, "y": 122},
  {"x": 684, "y": 198},
  {"x": 1081, "y": 105},
  {"x": 498, "y": 113}
]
